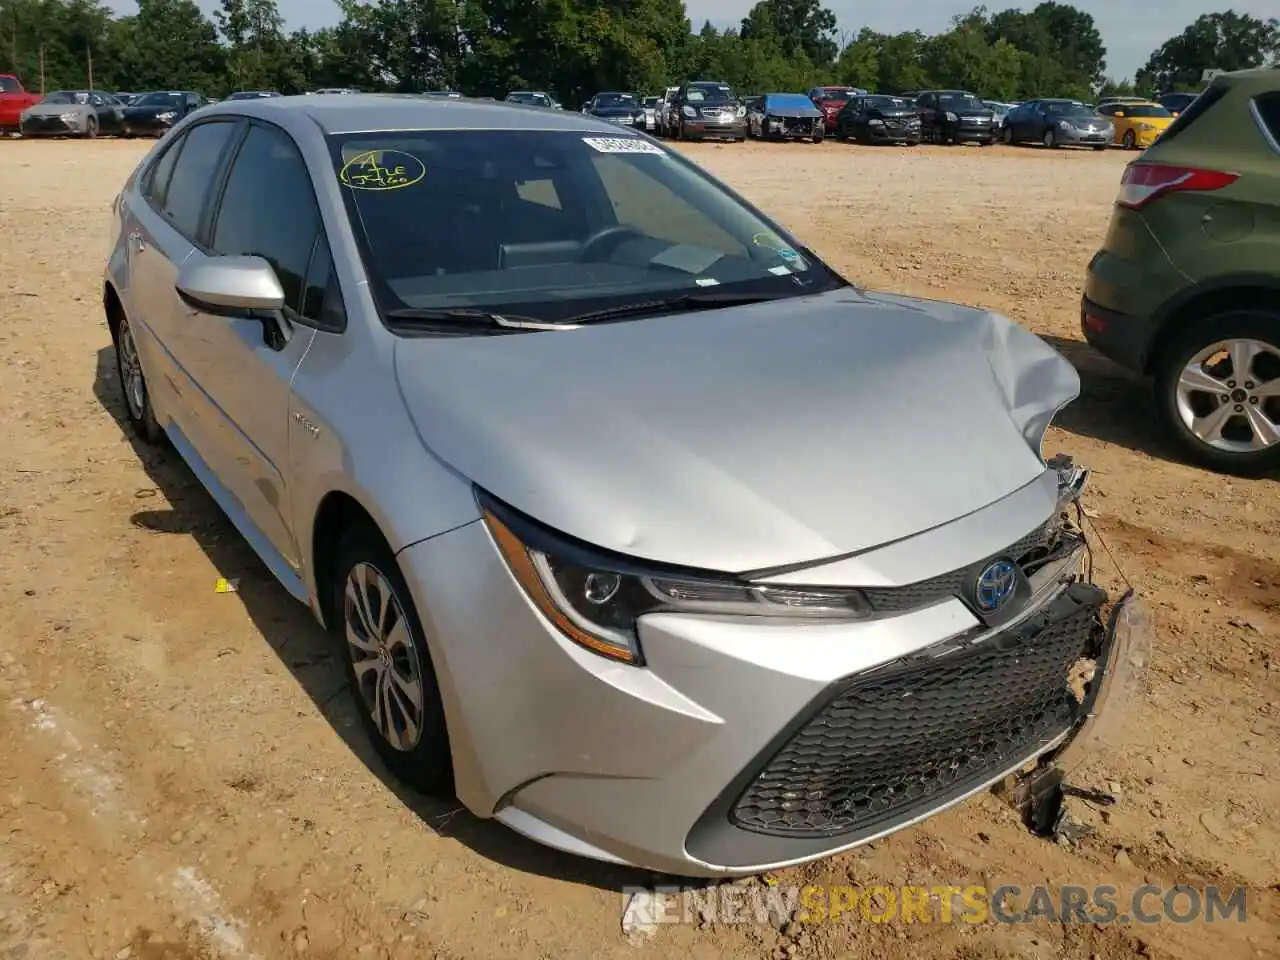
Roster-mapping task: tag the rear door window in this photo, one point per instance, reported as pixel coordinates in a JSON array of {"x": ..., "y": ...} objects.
[
  {"x": 157, "y": 178},
  {"x": 1268, "y": 107}
]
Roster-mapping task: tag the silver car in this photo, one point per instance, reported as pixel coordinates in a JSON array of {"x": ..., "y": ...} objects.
[
  {"x": 73, "y": 113},
  {"x": 624, "y": 507}
]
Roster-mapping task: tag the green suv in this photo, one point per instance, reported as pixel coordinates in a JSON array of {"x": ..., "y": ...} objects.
[{"x": 1186, "y": 287}]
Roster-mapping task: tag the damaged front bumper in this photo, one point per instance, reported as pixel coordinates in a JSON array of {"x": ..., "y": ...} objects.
[{"x": 743, "y": 745}]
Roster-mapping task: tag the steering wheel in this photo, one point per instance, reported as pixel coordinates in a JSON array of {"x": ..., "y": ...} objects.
[{"x": 604, "y": 241}]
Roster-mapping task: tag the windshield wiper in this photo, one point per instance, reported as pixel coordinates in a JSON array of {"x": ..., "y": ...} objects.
[
  {"x": 692, "y": 301},
  {"x": 472, "y": 316}
]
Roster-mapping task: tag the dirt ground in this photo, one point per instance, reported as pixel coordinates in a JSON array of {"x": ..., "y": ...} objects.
[{"x": 181, "y": 772}]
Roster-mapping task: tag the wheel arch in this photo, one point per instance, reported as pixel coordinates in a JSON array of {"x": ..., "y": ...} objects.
[
  {"x": 336, "y": 512},
  {"x": 1236, "y": 292},
  {"x": 113, "y": 307}
]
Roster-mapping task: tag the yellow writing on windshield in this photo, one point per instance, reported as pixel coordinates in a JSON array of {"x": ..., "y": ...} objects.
[{"x": 382, "y": 170}]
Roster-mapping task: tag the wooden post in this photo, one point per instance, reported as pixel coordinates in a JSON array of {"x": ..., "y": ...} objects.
[{"x": 89, "y": 53}]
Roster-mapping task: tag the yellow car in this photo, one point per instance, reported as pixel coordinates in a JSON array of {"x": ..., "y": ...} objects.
[{"x": 1137, "y": 124}]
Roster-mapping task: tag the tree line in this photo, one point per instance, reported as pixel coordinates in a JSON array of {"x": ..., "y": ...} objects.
[{"x": 573, "y": 48}]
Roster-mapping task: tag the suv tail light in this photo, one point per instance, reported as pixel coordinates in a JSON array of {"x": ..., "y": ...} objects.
[{"x": 1143, "y": 183}]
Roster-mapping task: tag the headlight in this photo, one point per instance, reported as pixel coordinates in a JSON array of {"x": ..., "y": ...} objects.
[
  {"x": 1064, "y": 125},
  {"x": 1146, "y": 126},
  {"x": 875, "y": 122},
  {"x": 688, "y": 111},
  {"x": 951, "y": 117},
  {"x": 742, "y": 111},
  {"x": 595, "y": 599},
  {"x": 167, "y": 115},
  {"x": 71, "y": 117}
]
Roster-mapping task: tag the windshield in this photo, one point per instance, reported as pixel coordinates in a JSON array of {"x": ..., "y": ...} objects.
[
  {"x": 615, "y": 100},
  {"x": 789, "y": 100},
  {"x": 958, "y": 101},
  {"x": 552, "y": 224},
  {"x": 536, "y": 99},
  {"x": 887, "y": 103},
  {"x": 651, "y": 101},
  {"x": 835, "y": 94},
  {"x": 159, "y": 100},
  {"x": 1146, "y": 110},
  {"x": 1068, "y": 110},
  {"x": 709, "y": 92},
  {"x": 67, "y": 96},
  {"x": 9, "y": 85}
]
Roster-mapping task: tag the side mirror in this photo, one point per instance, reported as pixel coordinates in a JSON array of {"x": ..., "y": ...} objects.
[{"x": 230, "y": 286}]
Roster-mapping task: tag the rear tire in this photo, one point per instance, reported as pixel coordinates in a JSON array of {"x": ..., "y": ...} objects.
[
  {"x": 1173, "y": 405},
  {"x": 91, "y": 128},
  {"x": 388, "y": 663},
  {"x": 1130, "y": 141},
  {"x": 133, "y": 385}
]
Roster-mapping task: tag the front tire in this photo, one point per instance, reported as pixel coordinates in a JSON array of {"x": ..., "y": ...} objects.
[
  {"x": 1233, "y": 355},
  {"x": 1130, "y": 141},
  {"x": 1008, "y": 136},
  {"x": 388, "y": 665},
  {"x": 1050, "y": 139},
  {"x": 133, "y": 384},
  {"x": 91, "y": 128}
]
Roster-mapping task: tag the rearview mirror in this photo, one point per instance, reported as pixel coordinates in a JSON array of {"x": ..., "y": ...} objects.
[{"x": 230, "y": 286}]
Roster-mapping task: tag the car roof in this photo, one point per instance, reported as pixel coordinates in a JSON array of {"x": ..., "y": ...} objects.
[
  {"x": 389, "y": 112},
  {"x": 1265, "y": 77}
]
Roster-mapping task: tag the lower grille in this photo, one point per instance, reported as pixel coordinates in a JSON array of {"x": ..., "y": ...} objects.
[{"x": 896, "y": 743}]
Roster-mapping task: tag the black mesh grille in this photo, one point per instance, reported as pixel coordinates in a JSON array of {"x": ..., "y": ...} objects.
[
  {"x": 893, "y": 744},
  {"x": 945, "y": 585}
]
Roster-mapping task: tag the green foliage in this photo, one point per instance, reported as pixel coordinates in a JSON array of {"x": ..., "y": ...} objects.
[
  {"x": 1216, "y": 41},
  {"x": 573, "y": 48}
]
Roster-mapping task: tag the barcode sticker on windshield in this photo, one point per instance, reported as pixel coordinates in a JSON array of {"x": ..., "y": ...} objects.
[{"x": 621, "y": 145}]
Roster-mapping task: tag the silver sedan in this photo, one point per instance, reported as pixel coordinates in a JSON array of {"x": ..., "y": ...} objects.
[{"x": 623, "y": 507}]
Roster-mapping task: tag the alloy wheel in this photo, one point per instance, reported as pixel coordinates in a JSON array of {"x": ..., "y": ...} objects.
[
  {"x": 1228, "y": 396},
  {"x": 131, "y": 381},
  {"x": 384, "y": 657}
]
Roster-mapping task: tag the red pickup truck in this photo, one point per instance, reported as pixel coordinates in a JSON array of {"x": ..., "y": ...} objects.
[{"x": 13, "y": 100}]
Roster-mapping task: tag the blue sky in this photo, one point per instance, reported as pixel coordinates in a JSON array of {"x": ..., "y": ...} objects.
[{"x": 1130, "y": 29}]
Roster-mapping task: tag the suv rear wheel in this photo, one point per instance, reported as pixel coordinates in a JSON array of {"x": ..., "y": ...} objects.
[{"x": 1218, "y": 391}]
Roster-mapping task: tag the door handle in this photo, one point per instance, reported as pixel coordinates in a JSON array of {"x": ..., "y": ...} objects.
[{"x": 136, "y": 241}]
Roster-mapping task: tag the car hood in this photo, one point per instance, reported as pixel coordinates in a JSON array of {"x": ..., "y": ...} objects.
[
  {"x": 790, "y": 110},
  {"x": 750, "y": 437},
  {"x": 54, "y": 109}
]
